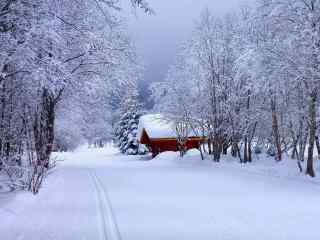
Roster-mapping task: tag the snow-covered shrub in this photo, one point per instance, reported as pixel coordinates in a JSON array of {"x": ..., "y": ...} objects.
[
  {"x": 271, "y": 150},
  {"x": 15, "y": 172},
  {"x": 257, "y": 149},
  {"x": 143, "y": 149}
]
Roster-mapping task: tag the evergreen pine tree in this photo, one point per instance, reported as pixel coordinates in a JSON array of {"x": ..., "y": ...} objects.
[{"x": 127, "y": 128}]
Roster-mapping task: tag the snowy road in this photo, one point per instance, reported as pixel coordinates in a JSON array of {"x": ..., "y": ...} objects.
[
  {"x": 101, "y": 194},
  {"x": 108, "y": 222}
]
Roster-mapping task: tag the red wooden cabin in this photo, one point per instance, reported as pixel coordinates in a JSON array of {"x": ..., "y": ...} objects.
[{"x": 159, "y": 135}]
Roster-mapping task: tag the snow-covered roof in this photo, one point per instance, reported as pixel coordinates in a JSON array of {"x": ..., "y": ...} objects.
[{"x": 156, "y": 126}]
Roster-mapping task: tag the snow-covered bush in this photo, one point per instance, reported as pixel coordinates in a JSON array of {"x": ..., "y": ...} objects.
[
  {"x": 271, "y": 150},
  {"x": 15, "y": 172}
]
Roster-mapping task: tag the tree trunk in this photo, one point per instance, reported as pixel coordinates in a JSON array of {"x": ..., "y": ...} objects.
[
  {"x": 312, "y": 133},
  {"x": 44, "y": 129},
  {"x": 249, "y": 152},
  {"x": 234, "y": 148},
  {"x": 318, "y": 146},
  {"x": 302, "y": 144},
  {"x": 217, "y": 149},
  {"x": 225, "y": 147},
  {"x": 294, "y": 154},
  {"x": 43, "y": 137},
  {"x": 247, "y": 157},
  {"x": 201, "y": 152},
  {"x": 209, "y": 146},
  {"x": 245, "y": 150},
  {"x": 253, "y": 131},
  {"x": 275, "y": 129}
]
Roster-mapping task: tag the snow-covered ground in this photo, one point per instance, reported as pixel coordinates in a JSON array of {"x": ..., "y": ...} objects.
[{"x": 101, "y": 194}]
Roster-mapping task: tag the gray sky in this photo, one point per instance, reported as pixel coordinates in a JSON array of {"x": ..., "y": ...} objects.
[{"x": 158, "y": 37}]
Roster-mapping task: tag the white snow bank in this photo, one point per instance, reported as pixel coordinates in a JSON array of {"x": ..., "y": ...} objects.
[
  {"x": 262, "y": 165},
  {"x": 165, "y": 158},
  {"x": 169, "y": 158},
  {"x": 192, "y": 153},
  {"x": 169, "y": 155}
]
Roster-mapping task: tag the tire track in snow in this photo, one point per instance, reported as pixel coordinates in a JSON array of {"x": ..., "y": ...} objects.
[{"x": 109, "y": 224}]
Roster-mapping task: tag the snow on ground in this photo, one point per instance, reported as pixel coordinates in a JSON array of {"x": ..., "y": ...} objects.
[{"x": 101, "y": 194}]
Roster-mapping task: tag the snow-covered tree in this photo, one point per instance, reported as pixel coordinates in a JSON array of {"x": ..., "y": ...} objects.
[
  {"x": 53, "y": 52},
  {"x": 127, "y": 127},
  {"x": 250, "y": 79}
]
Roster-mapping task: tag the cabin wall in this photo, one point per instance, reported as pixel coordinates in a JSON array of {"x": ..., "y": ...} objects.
[{"x": 159, "y": 146}]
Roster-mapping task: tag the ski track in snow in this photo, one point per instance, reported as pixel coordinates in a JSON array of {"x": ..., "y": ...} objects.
[
  {"x": 95, "y": 193},
  {"x": 109, "y": 224}
]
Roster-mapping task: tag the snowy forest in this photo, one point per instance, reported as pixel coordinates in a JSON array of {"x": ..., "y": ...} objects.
[
  {"x": 66, "y": 68},
  {"x": 69, "y": 74},
  {"x": 250, "y": 81}
]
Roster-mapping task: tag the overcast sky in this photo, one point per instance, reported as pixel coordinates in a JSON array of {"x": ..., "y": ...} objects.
[{"x": 158, "y": 37}]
